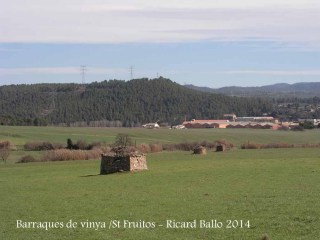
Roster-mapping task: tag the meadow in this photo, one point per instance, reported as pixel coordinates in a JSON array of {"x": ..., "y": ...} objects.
[
  {"x": 20, "y": 135},
  {"x": 276, "y": 190}
]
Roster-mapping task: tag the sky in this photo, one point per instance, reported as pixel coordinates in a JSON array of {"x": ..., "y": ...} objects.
[{"x": 201, "y": 42}]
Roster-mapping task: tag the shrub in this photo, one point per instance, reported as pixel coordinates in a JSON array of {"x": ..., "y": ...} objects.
[
  {"x": 70, "y": 144},
  {"x": 309, "y": 145},
  {"x": 207, "y": 145},
  {"x": 278, "y": 145},
  {"x": 4, "y": 154},
  {"x": 144, "y": 148},
  {"x": 82, "y": 145},
  {"x": 297, "y": 128},
  {"x": 250, "y": 146},
  {"x": 42, "y": 146},
  {"x": 123, "y": 140},
  {"x": 27, "y": 159},
  {"x": 66, "y": 154},
  {"x": 156, "y": 147},
  {"x": 188, "y": 146},
  {"x": 95, "y": 145},
  {"x": 283, "y": 128},
  {"x": 169, "y": 147},
  {"x": 307, "y": 125},
  {"x": 200, "y": 150},
  {"x": 103, "y": 149},
  {"x": 5, "y": 144},
  {"x": 264, "y": 146}
]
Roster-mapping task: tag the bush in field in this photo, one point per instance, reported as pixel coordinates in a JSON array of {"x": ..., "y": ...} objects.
[
  {"x": 70, "y": 144},
  {"x": 250, "y": 146},
  {"x": 156, "y": 147},
  {"x": 5, "y": 144},
  {"x": 265, "y": 146},
  {"x": 307, "y": 125},
  {"x": 297, "y": 128},
  {"x": 103, "y": 149},
  {"x": 144, "y": 148},
  {"x": 5, "y": 148},
  {"x": 95, "y": 145},
  {"x": 82, "y": 145},
  {"x": 283, "y": 128},
  {"x": 309, "y": 145},
  {"x": 4, "y": 154},
  {"x": 188, "y": 146},
  {"x": 66, "y": 155},
  {"x": 169, "y": 147},
  {"x": 123, "y": 140},
  {"x": 278, "y": 145},
  {"x": 42, "y": 146},
  {"x": 27, "y": 159},
  {"x": 207, "y": 145}
]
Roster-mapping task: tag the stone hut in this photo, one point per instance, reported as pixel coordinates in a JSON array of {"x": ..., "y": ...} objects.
[
  {"x": 221, "y": 148},
  {"x": 223, "y": 145},
  {"x": 119, "y": 161}
]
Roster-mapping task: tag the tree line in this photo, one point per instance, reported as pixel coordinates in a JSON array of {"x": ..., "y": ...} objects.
[{"x": 118, "y": 103}]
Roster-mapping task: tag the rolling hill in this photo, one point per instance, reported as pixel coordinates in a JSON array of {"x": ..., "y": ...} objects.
[
  {"x": 124, "y": 103},
  {"x": 301, "y": 90}
]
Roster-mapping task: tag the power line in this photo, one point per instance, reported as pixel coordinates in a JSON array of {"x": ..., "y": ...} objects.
[{"x": 83, "y": 70}]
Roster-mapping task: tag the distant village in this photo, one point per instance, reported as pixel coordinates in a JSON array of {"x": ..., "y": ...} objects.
[{"x": 232, "y": 121}]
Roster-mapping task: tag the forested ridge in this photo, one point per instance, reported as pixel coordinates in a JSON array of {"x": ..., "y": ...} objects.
[
  {"x": 130, "y": 103},
  {"x": 280, "y": 90}
]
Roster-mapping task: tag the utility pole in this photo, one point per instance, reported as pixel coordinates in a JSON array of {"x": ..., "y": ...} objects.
[
  {"x": 131, "y": 72},
  {"x": 83, "y": 70}
]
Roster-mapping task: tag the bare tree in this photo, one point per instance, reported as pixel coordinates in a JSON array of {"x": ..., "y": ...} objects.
[
  {"x": 123, "y": 140},
  {"x": 4, "y": 154}
]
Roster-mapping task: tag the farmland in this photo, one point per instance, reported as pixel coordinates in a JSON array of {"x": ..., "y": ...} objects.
[
  {"x": 275, "y": 189},
  {"x": 20, "y": 135}
]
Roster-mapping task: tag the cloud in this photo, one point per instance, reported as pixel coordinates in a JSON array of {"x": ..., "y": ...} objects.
[{"x": 122, "y": 21}]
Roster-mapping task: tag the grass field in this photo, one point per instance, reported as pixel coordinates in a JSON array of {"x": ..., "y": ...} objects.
[
  {"x": 277, "y": 190},
  {"x": 20, "y": 135}
]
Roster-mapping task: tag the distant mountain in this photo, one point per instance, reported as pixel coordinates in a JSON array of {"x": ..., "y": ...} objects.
[
  {"x": 130, "y": 103},
  {"x": 300, "y": 90}
]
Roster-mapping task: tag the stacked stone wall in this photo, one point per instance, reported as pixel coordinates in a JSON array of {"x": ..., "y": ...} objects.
[{"x": 116, "y": 163}]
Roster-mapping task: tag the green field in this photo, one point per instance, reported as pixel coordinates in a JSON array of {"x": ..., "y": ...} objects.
[
  {"x": 19, "y": 135},
  {"x": 277, "y": 190}
]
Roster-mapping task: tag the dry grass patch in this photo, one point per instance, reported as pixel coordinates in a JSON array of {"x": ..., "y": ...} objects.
[{"x": 66, "y": 155}]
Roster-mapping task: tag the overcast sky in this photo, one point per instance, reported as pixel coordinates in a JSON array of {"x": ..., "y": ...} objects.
[{"x": 201, "y": 42}]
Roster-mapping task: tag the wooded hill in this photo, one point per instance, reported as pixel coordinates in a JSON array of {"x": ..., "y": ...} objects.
[
  {"x": 130, "y": 103},
  {"x": 280, "y": 90}
]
